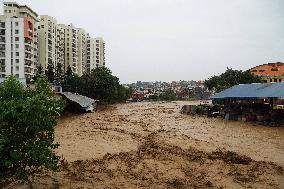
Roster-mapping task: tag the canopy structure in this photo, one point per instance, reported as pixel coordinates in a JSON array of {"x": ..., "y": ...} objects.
[{"x": 255, "y": 90}]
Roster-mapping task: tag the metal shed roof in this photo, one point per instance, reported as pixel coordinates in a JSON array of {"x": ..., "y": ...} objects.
[
  {"x": 83, "y": 101},
  {"x": 255, "y": 90}
]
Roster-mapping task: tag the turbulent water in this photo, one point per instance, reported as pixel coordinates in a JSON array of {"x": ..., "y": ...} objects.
[{"x": 152, "y": 145}]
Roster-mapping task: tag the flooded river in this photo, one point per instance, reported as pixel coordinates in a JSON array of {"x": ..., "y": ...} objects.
[{"x": 152, "y": 145}]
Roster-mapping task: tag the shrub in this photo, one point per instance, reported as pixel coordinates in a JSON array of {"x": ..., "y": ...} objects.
[{"x": 27, "y": 121}]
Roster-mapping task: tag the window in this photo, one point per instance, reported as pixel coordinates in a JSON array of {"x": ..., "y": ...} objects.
[
  {"x": 17, "y": 54},
  {"x": 17, "y": 68},
  {"x": 17, "y": 46},
  {"x": 17, "y": 60},
  {"x": 16, "y": 23},
  {"x": 17, "y": 76},
  {"x": 274, "y": 69},
  {"x": 16, "y": 38},
  {"x": 16, "y": 31}
]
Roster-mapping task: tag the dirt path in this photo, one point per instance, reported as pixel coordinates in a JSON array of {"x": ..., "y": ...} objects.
[{"x": 151, "y": 145}]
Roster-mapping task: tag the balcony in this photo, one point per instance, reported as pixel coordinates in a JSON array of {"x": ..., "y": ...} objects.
[
  {"x": 28, "y": 56},
  {"x": 2, "y": 24},
  {"x": 2, "y": 47},
  {"x": 2, "y": 69},
  {"x": 2, "y": 39},
  {"x": 2, "y": 55},
  {"x": 2, "y": 31}
]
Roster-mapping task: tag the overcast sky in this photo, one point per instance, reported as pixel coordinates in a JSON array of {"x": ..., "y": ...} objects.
[{"x": 169, "y": 40}]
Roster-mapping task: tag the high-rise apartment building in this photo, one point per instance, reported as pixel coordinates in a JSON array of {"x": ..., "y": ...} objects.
[
  {"x": 82, "y": 50},
  {"x": 18, "y": 41},
  {"x": 91, "y": 63},
  {"x": 95, "y": 53},
  {"x": 100, "y": 52},
  {"x": 27, "y": 42},
  {"x": 51, "y": 42},
  {"x": 71, "y": 47}
]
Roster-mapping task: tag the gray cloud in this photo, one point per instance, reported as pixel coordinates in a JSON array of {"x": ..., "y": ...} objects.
[{"x": 177, "y": 39}]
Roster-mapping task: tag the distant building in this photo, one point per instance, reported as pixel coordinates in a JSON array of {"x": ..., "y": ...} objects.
[
  {"x": 271, "y": 72},
  {"x": 95, "y": 53},
  {"x": 18, "y": 41},
  {"x": 100, "y": 52},
  {"x": 82, "y": 50},
  {"x": 51, "y": 42}
]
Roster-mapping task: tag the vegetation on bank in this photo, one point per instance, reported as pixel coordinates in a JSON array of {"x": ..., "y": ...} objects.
[
  {"x": 169, "y": 95},
  {"x": 27, "y": 121},
  {"x": 99, "y": 84},
  {"x": 28, "y": 117},
  {"x": 230, "y": 78}
]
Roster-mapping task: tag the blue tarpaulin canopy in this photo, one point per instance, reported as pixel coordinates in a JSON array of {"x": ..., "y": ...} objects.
[{"x": 255, "y": 90}]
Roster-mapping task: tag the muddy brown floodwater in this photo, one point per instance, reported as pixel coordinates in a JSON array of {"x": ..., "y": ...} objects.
[{"x": 152, "y": 145}]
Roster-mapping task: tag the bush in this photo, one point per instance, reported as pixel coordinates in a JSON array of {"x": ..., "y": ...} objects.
[{"x": 27, "y": 121}]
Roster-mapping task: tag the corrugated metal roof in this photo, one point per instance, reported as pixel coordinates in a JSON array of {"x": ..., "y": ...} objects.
[
  {"x": 83, "y": 101},
  {"x": 255, "y": 90}
]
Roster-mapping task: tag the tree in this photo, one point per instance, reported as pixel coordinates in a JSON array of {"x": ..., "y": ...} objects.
[
  {"x": 72, "y": 82},
  {"x": 105, "y": 84},
  {"x": 59, "y": 75},
  {"x": 27, "y": 121},
  {"x": 168, "y": 95},
  {"x": 230, "y": 78},
  {"x": 39, "y": 72},
  {"x": 123, "y": 93},
  {"x": 50, "y": 73},
  {"x": 98, "y": 84}
]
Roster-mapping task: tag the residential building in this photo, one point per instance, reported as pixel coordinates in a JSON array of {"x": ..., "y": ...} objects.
[
  {"x": 82, "y": 50},
  {"x": 60, "y": 47},
  {"x": 18, "y": 41},
  {"x": 271, "y": 72},
  {"x": 100, "y": 52},
  {"x": 71, "y": 47},
  {"x": 51, "y": 42},
  {"x": 91, "y": 62},
  {"x": 27, "y": 42},
  {"x": 95, "y": 53}
]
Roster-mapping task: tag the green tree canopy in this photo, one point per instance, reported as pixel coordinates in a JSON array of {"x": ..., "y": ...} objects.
[
  {"x": 50, "y": 74},
  {"x": 230, "y": 78},
  {"x": 59, "y": 75},
  {"x": 27, "y": 121},
  {"x": 98, "y": 84}
]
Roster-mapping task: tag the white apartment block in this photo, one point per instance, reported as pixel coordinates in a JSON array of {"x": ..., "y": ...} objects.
[
  {"x": 82, "y": 50},
  {"x": 71, "y": 47},
  {"x": 18, "y": 41},
  {"x": 100, "y": 52},
  {"x": 27, "y": 42},
  {"x": 91, "y": 53},
  {"x": 95, "y": 53},
  {"x": 51, "y": 42}
]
